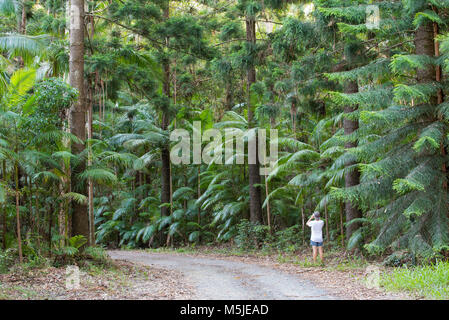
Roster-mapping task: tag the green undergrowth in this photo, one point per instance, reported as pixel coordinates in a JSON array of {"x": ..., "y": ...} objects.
[
  {"x": 428, "y": 281},
  {"x": 87, "y": 258}
]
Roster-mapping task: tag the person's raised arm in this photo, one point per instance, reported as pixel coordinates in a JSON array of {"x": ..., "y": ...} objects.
[{"x": 310, "y": 219}]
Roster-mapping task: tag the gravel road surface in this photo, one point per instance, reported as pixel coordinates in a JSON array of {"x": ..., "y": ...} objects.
[{"x": 217, "y": 279}]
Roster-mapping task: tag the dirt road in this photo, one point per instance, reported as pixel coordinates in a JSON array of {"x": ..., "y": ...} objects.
[{"x": 217, "y": 279}]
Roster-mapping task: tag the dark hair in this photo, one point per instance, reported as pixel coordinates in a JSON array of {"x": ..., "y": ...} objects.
[{"x": 316, "y": 214}]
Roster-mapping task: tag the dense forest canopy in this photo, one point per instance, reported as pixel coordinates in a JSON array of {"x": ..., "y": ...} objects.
[{"x": 92, "y": 90}]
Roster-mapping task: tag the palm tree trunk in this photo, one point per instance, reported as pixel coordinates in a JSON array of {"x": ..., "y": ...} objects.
[
  {"x": 61, "y": 216},
  {"x": 19, "y": 236},
  {"x": 80, "y": 219},
  {"x": 255, "y": 204},
  {"x": 50, "y": 223},
  {"x": 5, "y": 227},
  {"x": 327, "y": 222},
  {"x": 89, "y": 163},
  {"x": 268, "y": 205},
  {"x": 303, "y": 225},
  {"x": 341, "y": 226},
  {"x": 38, "y": 225}
]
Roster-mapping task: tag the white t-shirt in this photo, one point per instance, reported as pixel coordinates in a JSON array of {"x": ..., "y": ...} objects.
[{"x": 317, "y": 230}]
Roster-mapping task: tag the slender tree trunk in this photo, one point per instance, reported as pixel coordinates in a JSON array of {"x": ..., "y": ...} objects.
[
  {"x": 80, "y": 219},
  {"x": 268, "y": 205},
  {"x": 293, "y": 114},
  {"x": 303, "y": 226},
  {"x": 61, "y": 216},
  {"x": 165, "y": 152},
  {"x": 165, "y": 180},
  {"x": 255, "y": 204},
  {"x": 89, "y": 163},
  {"x": 327, "y": 222},
  {"x": 352, "y": 178},
  {"x": 5, "y": 221},
  {"x": 341, "y": 226},
  {"x": 90, "y": 97},
  {"x": 50, "y": 223},
  {"x": 38, "y": 224},
  {"x": 199, "y": 194},
  {"x": 19, "y": 236},
  {"x": 229, "y": 96},
  {"x": 440, "y": 97},
  {"x": 23, "y": 20},
  {"x": 5, "y": 228},
  {"x": 30, "y": 205}
]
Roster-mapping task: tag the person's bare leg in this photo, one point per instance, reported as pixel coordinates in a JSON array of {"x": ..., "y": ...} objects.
[
  {"x": 314, "y": 253},
  {"x": 320, "y": 249}
]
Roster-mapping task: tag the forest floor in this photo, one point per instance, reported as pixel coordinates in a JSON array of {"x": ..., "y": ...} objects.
[
  {"x": 225, "y": 274},
  {"x": 120, "y": 280}
]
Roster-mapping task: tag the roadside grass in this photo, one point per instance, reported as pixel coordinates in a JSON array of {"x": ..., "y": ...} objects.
[
  {"x": 429, "y": 281},
  {"x": 23, "y": 292}
]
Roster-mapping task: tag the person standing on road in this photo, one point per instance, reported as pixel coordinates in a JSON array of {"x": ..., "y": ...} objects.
[{"x": 316, "y": 238}]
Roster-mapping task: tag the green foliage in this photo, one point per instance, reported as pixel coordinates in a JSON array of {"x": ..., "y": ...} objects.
[
  {"x": 8, "y": 258},
  {"x": 289, "y": 239},
  {"x": 430, "y": 281},
  {"x": 51, "y": 98},
  {"x": 251, "y": 235}
]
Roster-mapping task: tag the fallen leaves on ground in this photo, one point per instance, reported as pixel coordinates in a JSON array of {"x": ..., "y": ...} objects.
[{"x": 121, "y": 281}]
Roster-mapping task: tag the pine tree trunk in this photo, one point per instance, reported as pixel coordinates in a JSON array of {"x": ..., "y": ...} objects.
[
  {"x": 255, "y": 204},
  {"x": 440, "y": 97},
  {"x": 424, "y": 44},
  {"x": 80, "y": 219},
  {"x": 165, "y": 152},
  {"x": 352, "y": 178}
]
